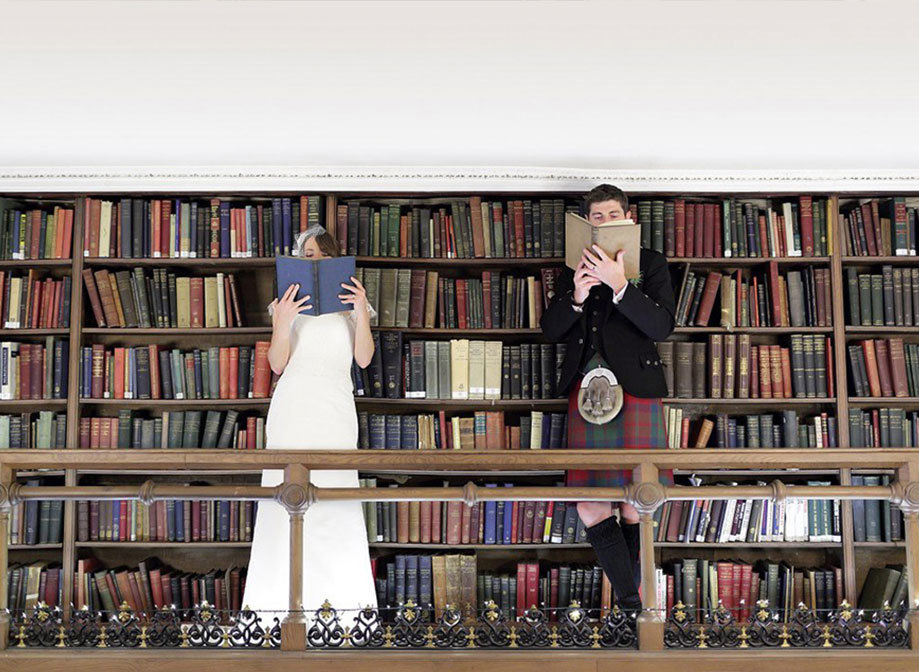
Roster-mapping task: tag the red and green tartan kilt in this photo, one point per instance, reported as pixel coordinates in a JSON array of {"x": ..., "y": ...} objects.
[{"x": 640, "y": 424}]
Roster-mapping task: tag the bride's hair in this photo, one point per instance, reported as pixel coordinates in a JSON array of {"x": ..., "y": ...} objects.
[{"x": 327, "y": 244}]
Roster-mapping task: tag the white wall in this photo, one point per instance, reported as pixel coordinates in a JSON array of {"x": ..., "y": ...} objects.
[{"x": 618, "y": 85}]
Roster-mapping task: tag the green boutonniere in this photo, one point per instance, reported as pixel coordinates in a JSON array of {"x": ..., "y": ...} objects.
[{"x": 637, "y": 281}]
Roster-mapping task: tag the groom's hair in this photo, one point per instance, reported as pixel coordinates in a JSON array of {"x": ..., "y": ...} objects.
[{"x": 605, "y": 192}]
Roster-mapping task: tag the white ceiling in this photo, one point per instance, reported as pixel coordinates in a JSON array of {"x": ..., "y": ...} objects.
[{"x": 605, "y": 85}]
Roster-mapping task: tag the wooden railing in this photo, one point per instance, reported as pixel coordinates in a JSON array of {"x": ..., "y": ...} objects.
[{"x": 297, "y": 494}]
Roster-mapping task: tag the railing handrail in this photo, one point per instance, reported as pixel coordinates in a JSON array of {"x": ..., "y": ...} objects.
[{"x": 508, "y": 460}]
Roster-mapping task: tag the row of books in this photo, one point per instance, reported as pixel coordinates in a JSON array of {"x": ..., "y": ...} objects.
[
  {"x": 457, "y": 229},
  {"x": 886, "y": 299},
  {"x": 418, "y": 298},
  {"x": 876, "y": 227},
  {"x": 750, "y": 520},
  {"x": 793, "y": 299},
  {"x": 132, "y": 299},
  {"x": 730, "y": 367},
  {"x": 736, "y": 228},
  {"x": 31, "y": 302},
  {"x": 41, "y": 429},
  {"x": 484, "y": 430},
  {"x": 751, "y": 430},
  {"x": 439, "y": 580},
  {"x": 488, "y": 522},
  {"x": 36, "y": 232},
  {"x": 883, "y": 428},
  {"x": 873, "y": 519},
  {"x": 34, "y": 370},
  {"x": 183, "y": 227},
  {"x": 884, "y": 367},
  {"x": 28, "y": 584},
  {"x": 153, "y": 585},
  {"x": 153, "y": 372},
  {"x": 701, "y": 584},
  {"x": 171, "y": 520},
  {"x": 174, "y": 429},
  {"x": 36, "y": 521},
  {"x": 458, "y": 369}
]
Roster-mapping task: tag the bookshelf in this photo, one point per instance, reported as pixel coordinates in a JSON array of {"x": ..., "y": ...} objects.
[{"x": 853, "y": 556}]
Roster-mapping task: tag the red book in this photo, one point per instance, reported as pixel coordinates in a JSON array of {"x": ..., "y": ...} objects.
[
  {"x": 700, "y": 229},
  {"x": 719, "y": 251},
  {"x": 519, "y": 231},
  {"x": 156, "y": 227},
  {"x": 521, "y": 587},
  {"x": 461, "y": 298},
  {"x": 708, "y": 221},
  {"x": 871, "y": 365},
  {"x": 262, "y": 377},
  {"x": 806, "y": 217},
  {"x": 25, "y": 371},
  {"x": 712, "y": 285},
  {"x": 118, "y": 392},
  {"x": 679, "y": 222},
  {"x": 884, "y": 374},
  {"x": 690, "y": 230},
  {"x": 830, "y": 386},
  {"x": 553, "y": 593},
  {"x": 754, "y": 373},
  {"x": 786, "y": 372},
  {"x": 225, "y": 373},
  {"x": 533, "y": 585},
  {"x": 165, "y": 241},
  {"x": 436, "y": 529},
  {"x": 774, "y": 297}
]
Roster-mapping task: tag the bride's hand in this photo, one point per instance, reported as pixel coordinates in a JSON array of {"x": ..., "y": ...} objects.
[
  {"x": 357, "y": 297},
  {"x": 285, "y": 310}
]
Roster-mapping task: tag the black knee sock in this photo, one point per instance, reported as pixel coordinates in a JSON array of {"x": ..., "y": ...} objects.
[
  {"x": 632, "y": 534},
  {"x": 613, "y": 555}
]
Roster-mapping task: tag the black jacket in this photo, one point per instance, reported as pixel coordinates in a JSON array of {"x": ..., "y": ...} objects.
[{"x": 625, "y": 334}]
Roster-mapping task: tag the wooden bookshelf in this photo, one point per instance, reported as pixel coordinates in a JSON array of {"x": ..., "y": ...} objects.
[{"x": 262, "y": 269}]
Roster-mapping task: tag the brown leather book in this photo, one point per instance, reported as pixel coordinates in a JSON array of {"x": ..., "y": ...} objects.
[
  {"x": 424, "y": 523},
  {"x": 94, "y": 299},
  {"x": 699, "y": 360},
  {"x": 402, "y": 522},
  {"x": 775, "y": 364},
  {"x": 705, "y": 432},
  {"x": 113, "y": 283},
  {"x": 430, "y": 300},
  {"x": 728, "y": 365},
  {"x": 196, "y": 301},
  {"x": 478, "y": 230},
  {"x": 104, "y": 285},
  {"x": 453, "y": 581},
  {"x": 414, "y": 522},
  {"x": 712, "y": 286},
  {"x": 743, "y": 366},
  {"x": 774, "y": 294},
  {"x": 871, "y": 366},
  {"x": 786, "y": 372},
  {"x": 883, "y": 360},
  {"x": 439, "y": 571},
  {"x": 898, "y": 368},
  {"x": 765, "y": 372},
  {"x": 683, "y": 369},
  {"x": 417, "y": 295},
  {"x": 468, "y": 585},
  {"x": 262, "y": 376},
  {"x": 715, "y": 347}
]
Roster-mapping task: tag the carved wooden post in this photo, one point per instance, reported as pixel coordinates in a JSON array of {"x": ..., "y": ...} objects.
[
  {"x": 295, "y": 495},
  {"x": 909, "y": 503},
  {"x": 646, "y": 496},
  {"x": 6, "y": 481}
]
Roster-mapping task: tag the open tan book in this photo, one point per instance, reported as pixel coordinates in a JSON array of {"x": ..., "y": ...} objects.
[{"x": 622, "y": 234}]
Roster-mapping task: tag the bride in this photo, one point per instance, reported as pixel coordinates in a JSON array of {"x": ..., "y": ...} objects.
[{"x": 313, "y": 408}]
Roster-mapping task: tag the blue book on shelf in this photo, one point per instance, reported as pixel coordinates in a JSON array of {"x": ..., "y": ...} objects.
[
  {"x": 491, "y": 518},
  {"x": 508, "y": 518},
  {"x": 319, "y": 278}
]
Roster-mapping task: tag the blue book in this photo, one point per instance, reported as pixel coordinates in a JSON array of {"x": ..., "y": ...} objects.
[
  {"x": 319, "y": 278},
  {"x": 491, "y": 518},
  {"x": 508, "y": 518}
]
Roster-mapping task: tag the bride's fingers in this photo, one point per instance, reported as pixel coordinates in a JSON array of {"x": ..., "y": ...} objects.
[
  {"x": 291, "y": 292},
  {"x": 299, "y": 302}
]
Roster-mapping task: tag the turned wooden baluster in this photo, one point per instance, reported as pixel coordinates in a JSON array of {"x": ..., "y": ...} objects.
[{"x": 295, "y": 494}]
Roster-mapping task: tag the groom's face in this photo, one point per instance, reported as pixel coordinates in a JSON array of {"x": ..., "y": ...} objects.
[{"x": 607, "y": 211}]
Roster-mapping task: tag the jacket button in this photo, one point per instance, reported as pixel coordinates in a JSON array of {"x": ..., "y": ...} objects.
[
  {"x": 596, "y": 312},
  {"x": 647, "y": 361},
  {"x": 580, "y": 341},
  {"x": 657, "y": 363},
  {"x": 593, "y": 328}
]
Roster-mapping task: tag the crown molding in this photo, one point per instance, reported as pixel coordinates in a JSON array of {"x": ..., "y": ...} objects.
[{"x": 76, "y": 179}]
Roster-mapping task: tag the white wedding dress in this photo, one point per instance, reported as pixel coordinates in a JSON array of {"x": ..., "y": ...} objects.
[{"x": 313, "y": 408}]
